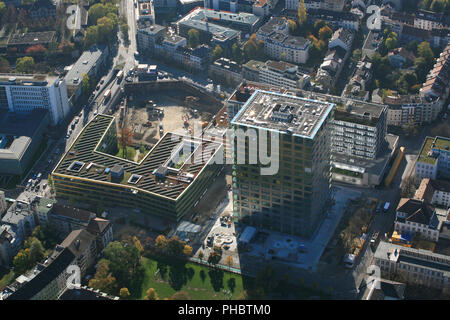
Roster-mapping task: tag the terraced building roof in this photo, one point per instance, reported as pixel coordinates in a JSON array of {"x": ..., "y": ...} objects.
[{"x": 167, "y": 170}]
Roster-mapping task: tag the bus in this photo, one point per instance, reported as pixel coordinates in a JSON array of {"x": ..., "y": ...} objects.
[{"x": 107, "y": 95}]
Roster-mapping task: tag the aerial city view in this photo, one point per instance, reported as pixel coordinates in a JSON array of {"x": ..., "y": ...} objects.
[{"x": 224, "y": 150}]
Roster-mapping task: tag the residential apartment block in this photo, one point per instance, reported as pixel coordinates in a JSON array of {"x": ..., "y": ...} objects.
[
  {"x": 224, "y": 70},
  {"x": 435, "y": 192},
  {"x": 91, "y": 62},
  {"x": 279, "y": 45},
  {"x": 417, "y": 218},
  {"x": 434, "y": 159},
  {"x": 418, "y": 266},
  {"x": 277, "y": 73},
  {"x": 48, "y": 280},
  {"x": 437, "y": 84},
  {"x": 333, "y": 5}
]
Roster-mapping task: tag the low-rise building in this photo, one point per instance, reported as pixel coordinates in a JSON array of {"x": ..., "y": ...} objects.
[
  {"x": 219, "y": 26},
  {"x": 417, "y": 266},
  {"x": 356, "y": 87},
  {"x": 250, "y": 70},
  {"x": 371, "y": 43},
  {"x": 437, "y": 84},
  {"x": 279, "y": 45},
  {"x": 48, "y": 280},
  {"x": 21, "y": 136},
  {"x": 417, "y": 218},
  {"x": 331, "y": 67},
  {"x": 436, "y": 192},
  {"x": 342, "y": 38},
  {"x": 428, "y": 20},
  {"x": 337, "y": 19},
  {"x": 434, "y": 159},
  {"x": 3, "y": 205},
  {"x": 91, "y": 62},
  {"x": 225, "y": 71},
  {"x": 20, "y": 216},
  {"x": 400, "y": 57},
  {"x": 410, "y": 109},
  {"x": 333, "y": 5},
  {"x": 20, "y": 42}
]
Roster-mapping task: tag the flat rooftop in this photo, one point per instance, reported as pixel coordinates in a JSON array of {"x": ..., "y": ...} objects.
[
  {"x": 202, "y": 14},
  {"x": 31, "y": 38},
  {"x": 179, "y": 168},
  {"x": 375, "y": 166},
  {"x": 282, "y": 112},
  {"x": 26, "y": 79},
  {"x": 18, "y": 130},
  {"x": 84, "y": 64},
  {"x": 365, "y": 114},
  {"x": 414, "y": 257}
]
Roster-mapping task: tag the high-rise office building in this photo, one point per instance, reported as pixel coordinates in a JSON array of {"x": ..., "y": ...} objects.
[
  {"x": 24, "y": 93},
  {"x": 294, "y": 199}
]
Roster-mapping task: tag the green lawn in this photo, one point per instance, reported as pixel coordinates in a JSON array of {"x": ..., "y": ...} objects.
[
  {"x": 129, "y": 155},
  {"x": 200, "y": 282}
]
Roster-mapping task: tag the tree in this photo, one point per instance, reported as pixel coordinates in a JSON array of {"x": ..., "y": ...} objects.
[
  {"x": 201, "y": 255},
  {"x": 126, "y": 139},
  {"x": 243, "y": 295},
  {"x": 318, "y": 25},
  {"x": 124, "y": 293},
  {"x": 10, "y": 16},
  {"x": 424, "y": 50},
  {"x": 180, "y": 295},
  {"x": 175, "y": 246},
  {"x": 408, "y": 188},
  {"x": 47, "y": 234},
  {"x": 214, "y": 258},
  {"x": 187, "y": 250},
  {"x": 229, "y": 261},
  {"x": 292, "y": 26},
  {"x": 193, "y": 38},
  {"x": 421, "y": 68},
  {"x": 236, "y": 52},
  {"x": 4, "y": 65},
  {"x": 66, "y": 46},
  {"x": 356, "y": 55},
  {"x": 25, "y": 65},
  {"x": 301, "y": 13},
  {"x": 36, "y": 251},
  {"x": 151, "y": 294},
  {"x": 391, "y": 43},
  {"x": 217, "y": 53},
  {"x": 325, "y": 33},
  {"x": 103, "y": 280},
  {"x": 91, "y": 36},
  {"x": 161, "y": 242},
  {"x": 2, "y": 8},
  {"x": 85, "y": 85},
  {"x": 21, "y": 262},
  {"x": 124, "y": 261},
  {"x": 106, "y": 26},
  {"x": 99, "y": 10}
]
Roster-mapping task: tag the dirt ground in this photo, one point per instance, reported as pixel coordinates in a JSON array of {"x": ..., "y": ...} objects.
[{"x": 175, "y": 112}]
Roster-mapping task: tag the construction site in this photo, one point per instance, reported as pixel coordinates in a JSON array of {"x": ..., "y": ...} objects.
[{"x": 150, "y": 112}]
